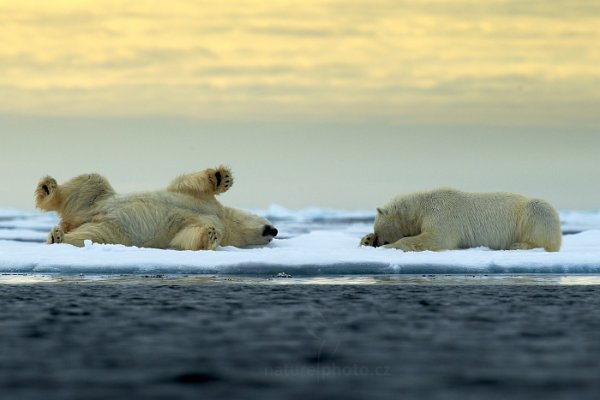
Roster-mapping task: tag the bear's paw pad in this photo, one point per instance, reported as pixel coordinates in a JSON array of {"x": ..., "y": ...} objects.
[
  {"x": 222, "y": 179},
  {"x": 213, "y": 238},
  {"x": 46, "y": 187},
  {"x": 56, "y": 235},
  {"x": 369, "y": 240}
]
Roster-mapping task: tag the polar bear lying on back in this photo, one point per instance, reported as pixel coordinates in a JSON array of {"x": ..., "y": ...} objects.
[
  {"x": 448, "y": 219},
  {"x": 184, "y": 216}
]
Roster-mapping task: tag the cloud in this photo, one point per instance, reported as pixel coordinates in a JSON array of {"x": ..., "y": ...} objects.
[
  {"x": 309, "y": 58},
  {"x": 304, "y": 31}
]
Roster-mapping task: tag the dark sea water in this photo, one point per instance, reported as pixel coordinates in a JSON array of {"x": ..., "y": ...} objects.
[
  {"x": 296, "y": 336},
  {"x": 196, "y": 337}
]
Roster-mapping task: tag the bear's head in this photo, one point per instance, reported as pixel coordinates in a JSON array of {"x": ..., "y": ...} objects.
[
  {"x": 245, "y": 229},
  {"x": 386, "y": 231}
]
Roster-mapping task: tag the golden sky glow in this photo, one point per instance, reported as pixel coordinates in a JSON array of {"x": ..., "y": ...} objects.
[{"x": 434, "y": 61}]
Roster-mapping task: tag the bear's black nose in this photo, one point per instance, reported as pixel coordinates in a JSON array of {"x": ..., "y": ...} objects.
[{"x": 269, "y": 230}]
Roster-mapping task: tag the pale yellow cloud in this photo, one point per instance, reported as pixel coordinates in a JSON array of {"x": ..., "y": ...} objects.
[{"x": 413, "y": 60}]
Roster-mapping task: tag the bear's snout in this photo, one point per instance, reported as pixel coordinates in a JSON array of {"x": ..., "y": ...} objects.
[{"x": 270, "y": 230}]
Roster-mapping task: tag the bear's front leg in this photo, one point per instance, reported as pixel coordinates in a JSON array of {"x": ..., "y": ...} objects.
[
  {"x": 208, "y": 182},
  {"x": 46, "y": 194},
  {"x": 423, "y": 242},
  {"x": 207, "y": 237},
  {"x": 524, "y": 246}
]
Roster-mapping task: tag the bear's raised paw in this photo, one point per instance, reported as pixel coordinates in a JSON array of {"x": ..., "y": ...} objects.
[
  {"x": 222, "y": 179},
  {"x": 45, "y": 190}
]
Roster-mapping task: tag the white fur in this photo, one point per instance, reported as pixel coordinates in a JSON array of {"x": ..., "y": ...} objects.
[
  {"x": 450, "y": 219},
  {"x": 185, "y": 216}
]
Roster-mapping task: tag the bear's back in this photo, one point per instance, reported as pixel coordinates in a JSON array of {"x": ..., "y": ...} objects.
[{"x": 469, "y": 219}]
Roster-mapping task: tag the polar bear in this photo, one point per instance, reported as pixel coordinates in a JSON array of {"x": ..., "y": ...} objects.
[
  {"x": 184, "y": 216},
  {"x": 446, "y": 219}
]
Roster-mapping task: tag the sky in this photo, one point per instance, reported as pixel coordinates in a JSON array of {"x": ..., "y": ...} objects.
[{"x": 339, "y": 104}]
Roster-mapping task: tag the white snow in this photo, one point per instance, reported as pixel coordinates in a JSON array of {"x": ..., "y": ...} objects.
[
  {"x": 580, "y": 220},
  {"x": 318, "y": 242},
  {"x": 277, "y": 212}
]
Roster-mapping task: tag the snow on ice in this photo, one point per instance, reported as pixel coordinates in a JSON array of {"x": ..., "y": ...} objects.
[{"x": 312, "y": 242}]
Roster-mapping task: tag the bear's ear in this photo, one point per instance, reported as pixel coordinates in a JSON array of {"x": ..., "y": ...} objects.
[{"x": 380, "y": 211}]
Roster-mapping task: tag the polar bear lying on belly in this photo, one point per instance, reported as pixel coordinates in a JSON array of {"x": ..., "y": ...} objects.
[{"x": 446, "y": 219}]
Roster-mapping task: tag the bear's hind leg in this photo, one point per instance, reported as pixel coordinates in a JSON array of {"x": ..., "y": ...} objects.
[
  {"x": 75, "y": 200},
  {"x": 208, "y": 182},
  {"x": 96, "y": 232},
  {"x": 196, "y": 237}
]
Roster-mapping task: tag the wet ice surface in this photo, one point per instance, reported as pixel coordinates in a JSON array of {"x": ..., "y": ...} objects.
[
  {"x": 232, "y": 339},
  {"x": 311, "y": 242}
]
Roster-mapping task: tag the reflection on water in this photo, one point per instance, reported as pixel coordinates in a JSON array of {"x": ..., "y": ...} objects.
[
  {"x": 404, "y": 279},
  {"x": 579, "y": 280},
  {"x": 23, "y": 279},
  {"x": 540, "y": 279}
]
